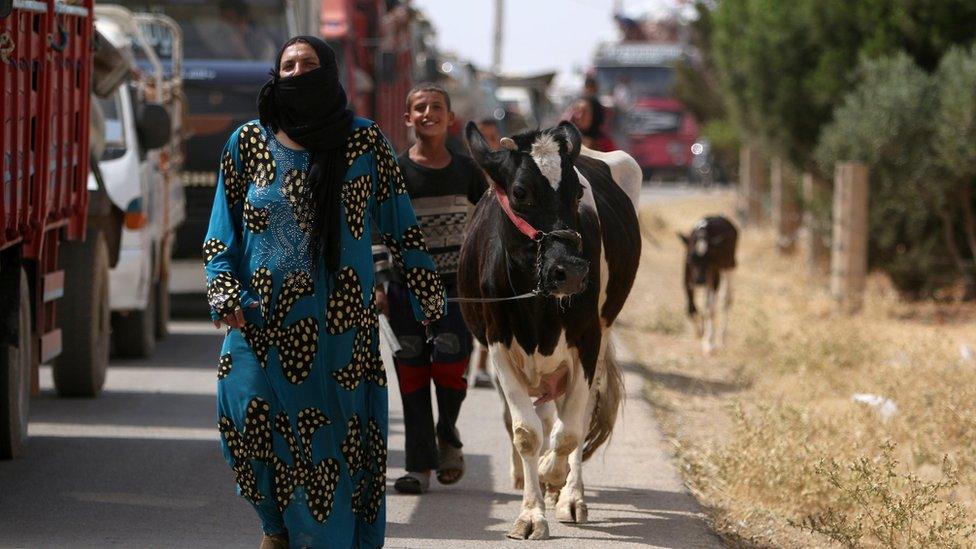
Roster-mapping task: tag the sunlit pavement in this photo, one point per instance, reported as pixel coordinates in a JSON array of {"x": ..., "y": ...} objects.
[
  {"x": 654, "y": 191},
  {"x": 141, "y": 467}
]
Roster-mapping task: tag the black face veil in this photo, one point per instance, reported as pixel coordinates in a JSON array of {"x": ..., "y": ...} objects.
[{"x": 312, "y": 110}]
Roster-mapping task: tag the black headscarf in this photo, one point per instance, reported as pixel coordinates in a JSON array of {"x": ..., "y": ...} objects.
[
  {"x": 596, "y": 126},
  {"x": 311, "y": 109}
]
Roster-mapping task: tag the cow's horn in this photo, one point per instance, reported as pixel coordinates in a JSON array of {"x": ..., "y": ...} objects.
[{"x": 508, "y": 143}]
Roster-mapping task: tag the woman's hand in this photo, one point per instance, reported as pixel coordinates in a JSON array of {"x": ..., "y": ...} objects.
[
  {"x": 382, "y": 303},
  {"x": 234, "y": 320}
]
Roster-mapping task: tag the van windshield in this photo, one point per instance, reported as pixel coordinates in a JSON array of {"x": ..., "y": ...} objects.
[
  {"x": 114, "y": 127},
  {"x": 640, "y": 81},
  {"x": 241, "y": 30}
]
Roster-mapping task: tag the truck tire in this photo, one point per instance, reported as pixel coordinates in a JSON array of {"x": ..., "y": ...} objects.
[
  {"x": 15, "y": 378},
  {"x": 85, "y": 317},
  {"x": 134, "y": 333}
]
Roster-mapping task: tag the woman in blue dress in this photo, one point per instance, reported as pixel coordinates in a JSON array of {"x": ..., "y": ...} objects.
[{"x": 302, "y": 403}]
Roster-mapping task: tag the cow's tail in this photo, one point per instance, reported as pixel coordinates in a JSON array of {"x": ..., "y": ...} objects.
[{"x": 609, "y": 396}]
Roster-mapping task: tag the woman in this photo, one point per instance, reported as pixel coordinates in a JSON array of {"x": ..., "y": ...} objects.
[
  {"x": 301, "y": 389},
  {"x": 588, "y": 115}
]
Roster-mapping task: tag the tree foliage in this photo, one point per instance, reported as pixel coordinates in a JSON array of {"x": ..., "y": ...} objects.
[
  {"x": 886, "y": 122},
  {"x": 822, "y": 81},
  {"x": 785, "y": 66}
]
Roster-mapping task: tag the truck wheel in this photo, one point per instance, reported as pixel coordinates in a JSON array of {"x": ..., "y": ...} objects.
[
  {"x": 84, "y": 317},
  {"x": 15, "y": 379},
  {"x": 134, "y": 333}
]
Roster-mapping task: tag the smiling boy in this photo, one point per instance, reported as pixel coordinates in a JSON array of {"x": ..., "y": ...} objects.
[{"x": 443, "y": 187}]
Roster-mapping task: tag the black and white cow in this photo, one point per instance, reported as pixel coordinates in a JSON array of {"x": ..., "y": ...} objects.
[
  {"x": 709, "y": 262},
  {"x": 565, "y": 224}
]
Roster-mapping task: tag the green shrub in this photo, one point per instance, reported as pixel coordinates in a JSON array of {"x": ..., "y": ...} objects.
[{"x": 888, "y": 122}]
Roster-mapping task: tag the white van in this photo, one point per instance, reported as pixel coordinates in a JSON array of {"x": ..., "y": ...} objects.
[{"x": 137, "y": 194}]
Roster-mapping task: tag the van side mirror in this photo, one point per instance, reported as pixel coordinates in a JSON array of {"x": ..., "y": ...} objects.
[{"x": 154, "y": 126}]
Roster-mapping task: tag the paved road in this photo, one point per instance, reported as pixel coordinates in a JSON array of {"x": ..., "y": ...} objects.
[
  {"x": 655, "y": 191},
  {"x": 140, "y": 467}
]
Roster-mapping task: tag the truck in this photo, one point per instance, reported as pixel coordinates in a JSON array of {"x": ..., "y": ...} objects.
[
  {"x": 649, "y": 122},
  {"x": 70, "y": 198},
  {"x": 379, "y": 56},
  {"x": 228, "y": 48},
  {"x": 52, "y": 265},
  {"x": 139, "y": 203}
]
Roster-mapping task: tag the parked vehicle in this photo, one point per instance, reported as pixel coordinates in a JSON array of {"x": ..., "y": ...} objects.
[
  {"x": 228, "y": 48},
  {"x": 141, "y": 191},
  {"x": 50, "y": 261},
  {"x": 650, "y": 123}
]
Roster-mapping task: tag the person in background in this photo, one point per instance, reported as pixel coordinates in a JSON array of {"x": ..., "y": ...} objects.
[
  {"x": 591, "y": 88},
  {"x": 442, "y": 187},
  {"x": 588, "y": 115},
  {"x": 301, "y": 388}
]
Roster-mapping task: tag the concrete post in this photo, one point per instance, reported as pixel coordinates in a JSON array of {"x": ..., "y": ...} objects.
[
  {"x": 813, "y": 233},
  {"x": 849, "y": 248},
  {"x": 785, "y": 208},
  {"x": 752, "y": 184}
]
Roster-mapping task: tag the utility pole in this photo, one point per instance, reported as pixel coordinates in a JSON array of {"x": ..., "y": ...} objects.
[{"x": 496, "y": 54}]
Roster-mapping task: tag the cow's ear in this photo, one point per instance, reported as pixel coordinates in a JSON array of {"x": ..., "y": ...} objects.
[
  {"x": 489, "y": 160},
  {"x": 480, "y": 151},
  {"x": 684, "y": 238},
  {"x": 572, "y": 137}
]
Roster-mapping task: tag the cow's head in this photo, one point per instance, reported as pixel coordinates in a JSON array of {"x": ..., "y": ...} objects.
[
  {"x": 535, "y": 170},
  {"x": 697, "y": 247}
]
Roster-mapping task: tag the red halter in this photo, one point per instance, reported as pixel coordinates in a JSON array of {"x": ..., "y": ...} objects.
[{"x": 522, "y": 225}]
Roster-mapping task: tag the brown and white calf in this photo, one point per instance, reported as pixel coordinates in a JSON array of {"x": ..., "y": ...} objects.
[
  {"x": 709, "y": 262},
  {"x": 564, "y": 224}
]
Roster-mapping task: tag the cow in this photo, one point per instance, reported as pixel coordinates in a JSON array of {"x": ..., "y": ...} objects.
[
  {"x": 556, "y": 236},
  {"x": 709, "y": 262}
]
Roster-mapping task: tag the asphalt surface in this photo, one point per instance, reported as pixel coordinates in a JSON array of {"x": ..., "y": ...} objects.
[{"x": 141, "y": 467}]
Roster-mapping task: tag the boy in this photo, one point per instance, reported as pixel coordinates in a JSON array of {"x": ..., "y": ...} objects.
[{"x": 443, "y": 187}]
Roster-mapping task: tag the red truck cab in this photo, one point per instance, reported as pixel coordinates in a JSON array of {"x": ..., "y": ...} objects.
[
  {"x": 659, "y": 134},
  {"x": 648, "y": 121}
]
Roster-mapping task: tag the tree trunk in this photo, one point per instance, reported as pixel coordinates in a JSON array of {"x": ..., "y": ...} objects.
[
  {"x": 969, "y": 228},
  {"x": 965, "y": 268}
]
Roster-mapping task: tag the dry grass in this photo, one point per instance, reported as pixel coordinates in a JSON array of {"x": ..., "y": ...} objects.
[{"x": 767, "y": 433}]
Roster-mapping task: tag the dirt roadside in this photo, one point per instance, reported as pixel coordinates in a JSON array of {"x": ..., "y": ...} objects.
[{"x": 767, "y": 433}]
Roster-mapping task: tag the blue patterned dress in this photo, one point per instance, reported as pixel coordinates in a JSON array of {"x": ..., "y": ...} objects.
[{"x": 301, "y": 392}]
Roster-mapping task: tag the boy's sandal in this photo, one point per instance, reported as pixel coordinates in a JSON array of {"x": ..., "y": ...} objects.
[
  {"x": 412, "y": 483},
  {"x": 450, "y": 467}
]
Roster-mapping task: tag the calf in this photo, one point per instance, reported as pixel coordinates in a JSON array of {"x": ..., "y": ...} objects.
[
  {"x": 557, "y": 229},
  {"x": 709, "y": 261}
]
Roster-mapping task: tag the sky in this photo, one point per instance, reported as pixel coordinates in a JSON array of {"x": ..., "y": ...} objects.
[{"x": 539, "y": 35}]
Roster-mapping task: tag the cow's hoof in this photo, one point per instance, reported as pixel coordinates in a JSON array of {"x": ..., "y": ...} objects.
[
  {"x": 572, "y": 511},
  {"x": 525, "y": 528}
]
